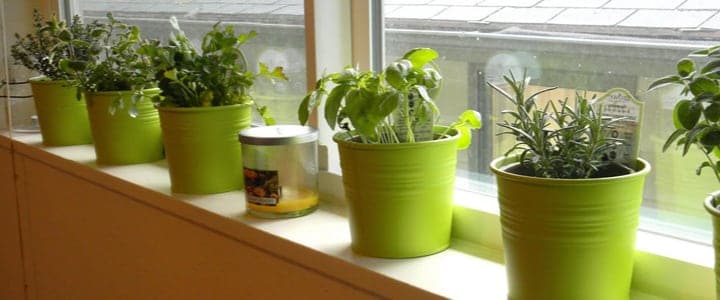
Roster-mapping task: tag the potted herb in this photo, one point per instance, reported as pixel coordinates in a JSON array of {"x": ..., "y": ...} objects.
[
  {"x": 569, "y": 213},
  {"x": 696, "y": 119},
  {"x": 204, "y": 103},
  {"x": 118, "y": 84},
  {"x": 398, "y": 166},
  {"x": 62, "y": 117}
]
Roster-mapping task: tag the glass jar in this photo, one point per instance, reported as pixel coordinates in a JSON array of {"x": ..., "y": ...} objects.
[{"x": 280, "y": 170}]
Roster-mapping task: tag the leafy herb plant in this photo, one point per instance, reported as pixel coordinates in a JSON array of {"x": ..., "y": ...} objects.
[
  {"x": 217, "y": 75},
  {"x": 51, "y": 42},
  {"x": 393, "y": 106},
  {"x": 558, "y": 140},
  {"x": 697, "y": 117},
  {"x": 117, "y": 66}
]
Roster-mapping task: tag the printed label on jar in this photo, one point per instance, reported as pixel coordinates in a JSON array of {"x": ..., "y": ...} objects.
[{"x": 262, "y": 187}]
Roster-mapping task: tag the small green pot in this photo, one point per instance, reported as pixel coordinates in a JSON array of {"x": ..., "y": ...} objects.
[
  {"x": 569, "y": 238},
  {"x": 119, "y": 138},
  {"x": 400, "y": 196},
  {"x": 201, "y": 143},
  {"x": 63, "y": 118},
  {"x": 711, "y": 208}
]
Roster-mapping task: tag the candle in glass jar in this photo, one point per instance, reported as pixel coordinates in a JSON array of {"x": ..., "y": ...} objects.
[{"x": 280, "y": 170}]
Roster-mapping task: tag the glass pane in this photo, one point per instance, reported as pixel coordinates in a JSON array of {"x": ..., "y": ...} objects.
[
  {"x": 584, "y": 46},
  {"x": 17, "y": 111},
  {"x": 4, "y": 92},
  {"x": 280, "y": 39}
]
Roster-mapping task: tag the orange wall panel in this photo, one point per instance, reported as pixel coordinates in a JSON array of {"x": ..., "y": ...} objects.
[{"x": 11, "y": 268}]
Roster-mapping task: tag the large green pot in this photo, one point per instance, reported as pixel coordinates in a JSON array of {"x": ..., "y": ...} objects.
[
  {"x": 63, "y": 118},
  {"x": 569, "y": 238},
  {"x": 121, "y": 139},
  {"x": 202, "y": 148},
  {"x": 400, "y": 196},
  {"x": 711, "y": 207}
]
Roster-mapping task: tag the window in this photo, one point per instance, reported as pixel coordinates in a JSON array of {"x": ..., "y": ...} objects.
[
  {"x": 581, "y": 46},
  {"x": 4, "y": 89},
  {"x": 280, "y": 39}
]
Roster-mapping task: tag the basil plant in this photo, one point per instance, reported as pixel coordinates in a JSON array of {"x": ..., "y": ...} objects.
[{"x": 392, "y": 106}]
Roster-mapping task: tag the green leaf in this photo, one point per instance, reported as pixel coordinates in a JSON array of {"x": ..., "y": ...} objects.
[
  {"x": 685, "y": 67},
  {"x": 422, "y": 91},
  {"x": 245, "y": 37},
  {"x": 465, "y": 138},
  {"x": 419, "y": 57},
  {"x": 471, "y": 118},
  {"x": 711, "y": 138},
  {"x": 356, "y": 106},
  {"x": 502, "y": 92},
  {"x": 705, "y": 52},
  {"x": 664, "y": 81},
  {"x": 711, "y": 66},
  {"x": 674, "y": 136},
  {"x": 431, "y": 78},
  {"x": 64, "y": 65},
  {"x": 304, "y": 109},
  {"x": 693, "y": 136},
  {"x": 170, "y": 74},
  {"x": 65, "y": 35},
  {"x": 332, "y": 104},
  {"x": 687, "y": 113},
  {"x": 703, "y": 85},
  {"x": 265, "y": 115},
  {"x": 712, "y": 112},
  {"x": 705, "y": 164},
  {"x": 396, "y": 74},
  {"x": 77, "y": 65},
  {"x": 349, "y": 74},
  {"x": 388, "y": 103}
]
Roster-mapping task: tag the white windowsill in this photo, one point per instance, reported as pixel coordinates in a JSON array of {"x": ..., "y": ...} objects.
[{"x": 471, "y": 268}]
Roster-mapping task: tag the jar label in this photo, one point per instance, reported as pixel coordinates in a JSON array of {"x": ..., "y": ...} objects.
[{"x": 262, "y": 187}]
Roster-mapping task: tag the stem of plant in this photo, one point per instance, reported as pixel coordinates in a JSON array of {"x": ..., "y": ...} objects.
[{"x": 713, "y": 165}]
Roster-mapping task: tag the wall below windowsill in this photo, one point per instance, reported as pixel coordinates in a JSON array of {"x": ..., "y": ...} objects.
[{"x": 466, "y": 270}]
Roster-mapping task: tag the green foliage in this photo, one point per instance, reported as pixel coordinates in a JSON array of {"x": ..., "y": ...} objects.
[
  {"x": 118, "y": 66},
  {"x": 51, "y": 42},
  {"x": 559, "y": 140},
  {"x": 697, "y": 117},
  {"x": 215, "y": 76},
  {"x": 394, "y": 106}
]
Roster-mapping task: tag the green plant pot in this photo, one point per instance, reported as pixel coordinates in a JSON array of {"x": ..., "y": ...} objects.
[
  {"x": 711, "y": 207},
  {"x": 569, "y": 238},
  {"x": 63, "y": 118},
  {"x": 400, "y": 196},
  {"x": 119, "y": 138},
  {"x": 201, "y": 143}
]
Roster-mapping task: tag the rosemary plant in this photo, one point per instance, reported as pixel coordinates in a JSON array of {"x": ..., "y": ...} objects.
[{"x": 558, "y": 140}]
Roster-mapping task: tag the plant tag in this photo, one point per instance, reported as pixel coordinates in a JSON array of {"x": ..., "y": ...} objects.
[
  {"x": 422, "y": 125},
  {"x": 619, "y": 103}
]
